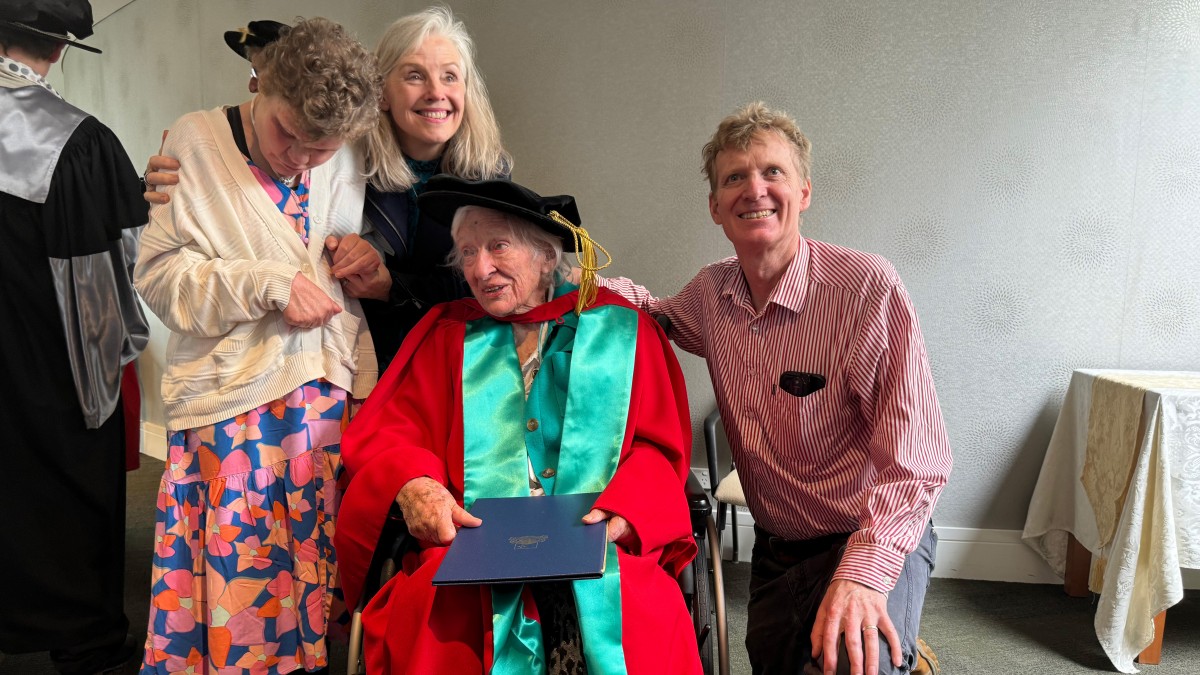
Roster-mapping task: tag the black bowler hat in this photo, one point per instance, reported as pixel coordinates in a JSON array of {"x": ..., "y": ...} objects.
[
  {"x": 444, "y": 194},
  {"x": 56, "y": 20},
  {"x": 256, "y": 34}
]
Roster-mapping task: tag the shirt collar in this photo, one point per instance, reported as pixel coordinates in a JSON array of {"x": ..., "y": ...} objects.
[
  {"x": 15, "y": 69},
  {"x": 789, "y": 293}
]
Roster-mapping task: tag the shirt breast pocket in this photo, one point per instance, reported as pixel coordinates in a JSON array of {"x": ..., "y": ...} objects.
[
  {"x": 787, "y": 408},
  {"x": 800, "y": 384}
]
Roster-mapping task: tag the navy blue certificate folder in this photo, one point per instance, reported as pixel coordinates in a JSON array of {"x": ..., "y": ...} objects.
[{"x": 526, "y": 539}]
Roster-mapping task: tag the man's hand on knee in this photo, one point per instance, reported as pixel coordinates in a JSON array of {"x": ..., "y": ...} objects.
[{"x": 860, "y": 613}]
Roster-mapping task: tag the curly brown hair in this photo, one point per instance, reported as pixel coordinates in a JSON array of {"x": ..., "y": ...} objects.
[
  {"x": 740, "y": 128},
  {"x": 328, "y": 79}
]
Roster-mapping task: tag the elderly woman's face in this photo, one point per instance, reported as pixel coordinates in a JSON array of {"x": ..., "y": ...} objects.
[
  {"x": 281, "y": 142},
  {"x": 424, "y": 94},
  {"x": 506, "y": 276}
]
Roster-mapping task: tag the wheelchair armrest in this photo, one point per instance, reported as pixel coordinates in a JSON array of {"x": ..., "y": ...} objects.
[
  {"x": 710, "y": 445},
  {"x": 698, "y": 502},
  {"x": 394, "y": 542}
]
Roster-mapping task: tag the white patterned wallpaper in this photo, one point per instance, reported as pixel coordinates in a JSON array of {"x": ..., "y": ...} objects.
[{"x": 1032, "y": 168}]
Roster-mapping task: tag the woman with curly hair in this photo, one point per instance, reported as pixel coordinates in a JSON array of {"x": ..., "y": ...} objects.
[
  {"x": 437, "y": 119},
  {"x": 266, "y": 353}
]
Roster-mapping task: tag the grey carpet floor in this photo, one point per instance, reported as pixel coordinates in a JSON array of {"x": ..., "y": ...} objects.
[{"x": 976, "y": 627}]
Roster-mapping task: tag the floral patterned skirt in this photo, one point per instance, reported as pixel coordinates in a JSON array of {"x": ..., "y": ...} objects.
[{"x": 244, "y": 577}]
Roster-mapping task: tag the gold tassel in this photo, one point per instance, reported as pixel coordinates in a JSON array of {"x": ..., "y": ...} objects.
[
  {"x": 246, "y": 33},
  {"x": 585, "y": 254}
]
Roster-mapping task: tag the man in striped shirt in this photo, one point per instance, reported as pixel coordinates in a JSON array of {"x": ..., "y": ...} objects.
[{"x": 824, "y": 387}]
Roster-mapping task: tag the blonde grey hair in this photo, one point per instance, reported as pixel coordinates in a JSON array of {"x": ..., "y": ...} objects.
[
  {"x": 328, "y": 80},
  {"x": 524, "y": 233},
  {"x": 740, "y": 128},
  {"x": 475, "y": 151}
]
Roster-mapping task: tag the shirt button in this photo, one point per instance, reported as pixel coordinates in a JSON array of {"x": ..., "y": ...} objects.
[
  {"x": 548, "y": 473},
  {"x": 754, "y": 329},
  {"x": 306, "y": 268},
  {"x": 532, "y": 424}
]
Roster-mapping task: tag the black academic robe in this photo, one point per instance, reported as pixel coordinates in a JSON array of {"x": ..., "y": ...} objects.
[{"x": 70, "y": 201}]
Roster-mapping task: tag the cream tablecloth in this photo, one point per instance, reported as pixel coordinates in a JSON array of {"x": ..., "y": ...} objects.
[{"x": 1130, "y": 439}]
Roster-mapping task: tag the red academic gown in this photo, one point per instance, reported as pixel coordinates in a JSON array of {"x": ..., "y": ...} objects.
[{"x": 411, "y": 426}]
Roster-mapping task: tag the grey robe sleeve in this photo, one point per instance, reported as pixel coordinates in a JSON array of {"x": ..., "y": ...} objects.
[{"x": 93, "y": 214}]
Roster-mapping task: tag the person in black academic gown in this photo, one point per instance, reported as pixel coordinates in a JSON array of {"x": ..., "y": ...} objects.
[{"x": 70, "y": 206}]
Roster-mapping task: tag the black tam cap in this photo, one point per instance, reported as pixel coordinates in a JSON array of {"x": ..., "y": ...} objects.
[
  {"x": 445, "y": 194},
  {"x": 256, "y": 35},
  {"x": 55, "y": 20}
]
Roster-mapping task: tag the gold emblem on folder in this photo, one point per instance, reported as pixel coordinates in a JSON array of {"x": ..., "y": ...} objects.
[{"x": 527, "y": 541}]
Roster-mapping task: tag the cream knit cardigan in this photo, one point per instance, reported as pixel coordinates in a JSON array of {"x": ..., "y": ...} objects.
[{"x": 216, "y": 266}]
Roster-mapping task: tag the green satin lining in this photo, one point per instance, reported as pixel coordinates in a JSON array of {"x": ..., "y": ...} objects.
[
  {"x": 496, "y": 465},
  {"x": 598, "y": 602},
  {"x": 597, "y": 399},
  {"x": 516, "y": 638}
]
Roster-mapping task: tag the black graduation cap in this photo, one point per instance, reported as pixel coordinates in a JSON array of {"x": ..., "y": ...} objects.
[
  {"x": 57, "y": 20},
  {"x": 444, "y": 194},
  {"x": 256, "y": 34}
]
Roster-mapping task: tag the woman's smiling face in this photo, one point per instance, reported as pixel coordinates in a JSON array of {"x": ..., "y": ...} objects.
[{"x": 424, "y": 94}]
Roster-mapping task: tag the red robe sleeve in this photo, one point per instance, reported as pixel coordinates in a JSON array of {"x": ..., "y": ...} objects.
[{"x": 403, "y": 431}]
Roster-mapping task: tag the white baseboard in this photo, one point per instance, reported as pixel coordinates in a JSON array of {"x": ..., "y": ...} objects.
[
  {"x": 962, "y": 553},
  {"x": 989, "y": 555},
  {"x": 1191, "y": 579},
  {"x": 1000, "y": 555},
  {"x": 154, "y": 440}
]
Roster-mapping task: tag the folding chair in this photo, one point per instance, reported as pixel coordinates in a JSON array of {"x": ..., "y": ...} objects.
[{"x": 726, "y": 488}]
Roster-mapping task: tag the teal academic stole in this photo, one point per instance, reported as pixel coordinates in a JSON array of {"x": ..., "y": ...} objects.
[{"x": 495, "y": 461}]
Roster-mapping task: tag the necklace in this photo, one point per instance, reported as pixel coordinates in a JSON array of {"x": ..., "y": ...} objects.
[{"x": 289, "y": 181}]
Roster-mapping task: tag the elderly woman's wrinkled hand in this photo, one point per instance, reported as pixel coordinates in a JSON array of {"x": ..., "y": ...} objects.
[
  {"x": 619, "y": 529},
  {"x": 308, "y": 306},
  {"x": 431, "y": 513}
]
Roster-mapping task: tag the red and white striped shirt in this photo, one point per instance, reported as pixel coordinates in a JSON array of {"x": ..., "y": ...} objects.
[{"x": 868, "y": 453}]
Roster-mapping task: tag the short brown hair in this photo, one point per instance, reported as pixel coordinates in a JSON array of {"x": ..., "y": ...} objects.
[
  {"x": 325, "y": 76},
  {"x": 37, "y": 47},
  {"x": 740, "y": 128}
]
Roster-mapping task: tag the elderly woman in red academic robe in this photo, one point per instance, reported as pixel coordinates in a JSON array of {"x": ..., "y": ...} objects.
[{"x": 534, "y": 386}]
